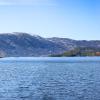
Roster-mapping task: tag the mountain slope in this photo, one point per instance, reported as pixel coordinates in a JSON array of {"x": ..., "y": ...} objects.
[
  {"x": 26, "y": 45},
  {"x": 23, "y": 44}
]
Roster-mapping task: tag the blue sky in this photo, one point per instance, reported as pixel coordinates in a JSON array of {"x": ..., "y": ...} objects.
[{"x": 76, "y": 19}]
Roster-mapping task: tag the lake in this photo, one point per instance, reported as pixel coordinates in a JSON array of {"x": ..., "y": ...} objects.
[{"x": 45, "y": 78}]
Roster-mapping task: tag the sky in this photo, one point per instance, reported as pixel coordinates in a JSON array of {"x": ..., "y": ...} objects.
[{"x": 76, "y": 19}]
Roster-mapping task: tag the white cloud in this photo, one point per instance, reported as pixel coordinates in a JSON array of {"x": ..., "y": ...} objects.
[{"x": 27, "y": 2}]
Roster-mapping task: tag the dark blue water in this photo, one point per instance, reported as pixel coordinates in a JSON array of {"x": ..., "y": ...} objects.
[{"x": 50, "y": 78}]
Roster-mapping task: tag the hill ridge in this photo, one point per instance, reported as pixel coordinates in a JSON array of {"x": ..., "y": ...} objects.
[{"x": 25, "y": 45}]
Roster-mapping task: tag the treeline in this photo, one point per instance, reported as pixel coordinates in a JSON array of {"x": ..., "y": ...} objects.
[{"x": 82, "y": 51}]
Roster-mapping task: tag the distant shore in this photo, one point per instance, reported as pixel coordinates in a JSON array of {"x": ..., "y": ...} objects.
[{"x": 80, "y": 52}]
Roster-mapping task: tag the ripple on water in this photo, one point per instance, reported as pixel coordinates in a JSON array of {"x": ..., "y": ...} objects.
[{"x": 50, "y": 80}]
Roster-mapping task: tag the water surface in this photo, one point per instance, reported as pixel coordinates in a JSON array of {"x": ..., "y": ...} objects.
[{"x": 76, "y": 78}]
